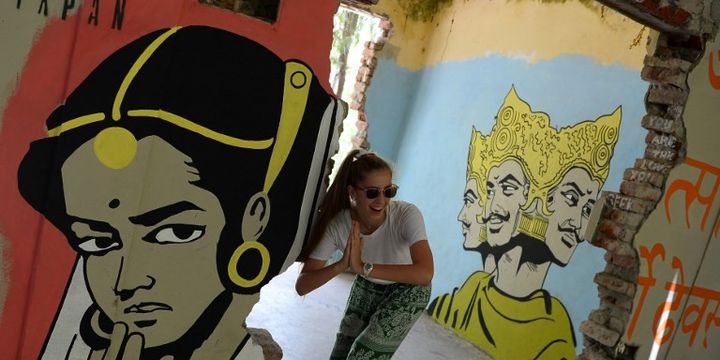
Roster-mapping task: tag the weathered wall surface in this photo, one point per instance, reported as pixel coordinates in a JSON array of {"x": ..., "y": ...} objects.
[{"x": 150, "y": 156}]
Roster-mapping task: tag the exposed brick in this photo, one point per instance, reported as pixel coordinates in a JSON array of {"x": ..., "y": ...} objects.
[
  {"x": 356, "y": 106},
  {"x": 621, "y": 248},
  {"x": 600, "y": 333},
  {"x": 386, "y": 24},
  {"x": 662, "y": 167},
  {"x": 360, "y": 87},
  {"x": 374, "y": 45},
  {"x": 660, "y": 153},
  {"x": 664, "y": 140},
  {"x": 615, "y": 284},
  {"x": 369, "y": 52},
  {"x": 627, "y": 274},
  {"x": 599, "y": 317},
  {"x": 359, "y": 97},
  {"x": 671, "y": 63},
  {"x": 601, "y": 241},
  {"x": 361, "y": 125},
  {"x": 625, "y": 304},
  {"x": 625, "y": 218},
  {"x": 658, "y": 123},
  {"x": 616, "y": 324},
  {"x": 673, "y": 15},
  {"x": 610, "y": 229},
  {"x": 595, "y": 350},
  {"x": 615, "y": 304},
  {"x": 666, "y": 94},
  {"x": 640, "y": 191},
  {"x": 664, "y": 76},
  {"x": 588, "y": 354},
  {"x": 625, "y": 261},
  {"x": 370, "y": 62},
  {"x": 643, "y": 176},
  {"x": 675, "y": 111},
  {"x": 629, "y": 203},
  {"x": 648, "y": 5}
]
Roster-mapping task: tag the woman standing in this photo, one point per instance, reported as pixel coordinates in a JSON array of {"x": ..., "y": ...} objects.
[{"x": 385, "y": 243}]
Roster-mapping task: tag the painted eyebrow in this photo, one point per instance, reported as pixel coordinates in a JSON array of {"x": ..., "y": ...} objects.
[
  {"x": 577, "y": 188},
  {"x": 94, "y": 225},
  {"x": 509, "y": 178},
  {"x": 470, "y": 192},
  {"x": 153, "y": 217}
]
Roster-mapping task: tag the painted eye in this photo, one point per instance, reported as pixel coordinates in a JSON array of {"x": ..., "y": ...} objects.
[
  {"x": 509, "y": 189},
  {"x": 98, "y": 245},
  {"x": 572, "y": 198},
  {"x": 175, "y": 234},
  {"x": 587, "y": 209}
]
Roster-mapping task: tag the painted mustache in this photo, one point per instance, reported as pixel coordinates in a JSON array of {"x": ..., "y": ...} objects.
[
  {"x": 499, "y": 216},
  {"x": 573, "y": 232}
]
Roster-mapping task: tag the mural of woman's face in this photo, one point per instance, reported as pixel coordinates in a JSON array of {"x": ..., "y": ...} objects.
[
  {"x": 570, "y": 204},
  {"x": 148, "y": 236},
  {"x": 468, "y": 216},
  {"x": 507, "y": 190}
]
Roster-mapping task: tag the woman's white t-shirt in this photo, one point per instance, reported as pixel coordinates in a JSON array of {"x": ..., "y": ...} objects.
[{"x": 389, "y": 244}]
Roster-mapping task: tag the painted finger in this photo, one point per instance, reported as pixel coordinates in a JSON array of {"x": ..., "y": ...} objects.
[
  {"x": 119, "y": 333},
  {"x": 133, "y": 347}
]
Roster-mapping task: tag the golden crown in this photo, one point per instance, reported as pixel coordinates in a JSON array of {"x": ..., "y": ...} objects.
[{"x": 544, "y": 153}]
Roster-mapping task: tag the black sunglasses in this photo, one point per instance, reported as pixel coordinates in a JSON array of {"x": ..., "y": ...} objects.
[{"x": 373, "y": 192}]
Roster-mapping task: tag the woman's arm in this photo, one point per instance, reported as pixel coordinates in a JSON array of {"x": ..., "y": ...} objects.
[
  {"x": 315, "y": 274},
  {"x": 420, "y": 272}
]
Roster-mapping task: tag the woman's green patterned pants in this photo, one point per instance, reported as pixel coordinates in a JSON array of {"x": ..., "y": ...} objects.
[{"x": 377, "y": 319}]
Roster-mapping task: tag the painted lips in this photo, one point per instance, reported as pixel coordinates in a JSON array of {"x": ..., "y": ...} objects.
[{"x": 147, "y": 307}]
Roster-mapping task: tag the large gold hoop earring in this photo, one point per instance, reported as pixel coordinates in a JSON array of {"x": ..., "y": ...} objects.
[{"x": 235, "y": 277}]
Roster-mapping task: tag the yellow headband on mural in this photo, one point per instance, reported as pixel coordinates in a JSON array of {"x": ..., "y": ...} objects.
[{"x": 116, "y": 147}]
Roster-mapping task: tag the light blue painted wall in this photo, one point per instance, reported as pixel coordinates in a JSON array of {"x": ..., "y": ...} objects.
[
  {"x": 442, "y": 103},
  {"x": 389, "y": 99}
]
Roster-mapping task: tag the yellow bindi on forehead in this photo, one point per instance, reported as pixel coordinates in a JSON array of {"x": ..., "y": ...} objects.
[{"x": 115, "y": 147}]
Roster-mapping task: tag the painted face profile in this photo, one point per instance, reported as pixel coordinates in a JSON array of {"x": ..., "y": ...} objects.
[
  {"x": 149, "y": 237},
  {"x": 507, "y": 190},
  {"x": 570, "y": 204},
  {"x": 470, "y": 212}
]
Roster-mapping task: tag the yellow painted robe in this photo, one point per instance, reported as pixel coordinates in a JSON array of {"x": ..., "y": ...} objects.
[{"x": 505, "y": 327}]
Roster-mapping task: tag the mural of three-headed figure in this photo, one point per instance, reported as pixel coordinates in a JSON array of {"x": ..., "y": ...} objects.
[
  {"x": 182, "y": 171},
  {"x": 529, "y": 194}
]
